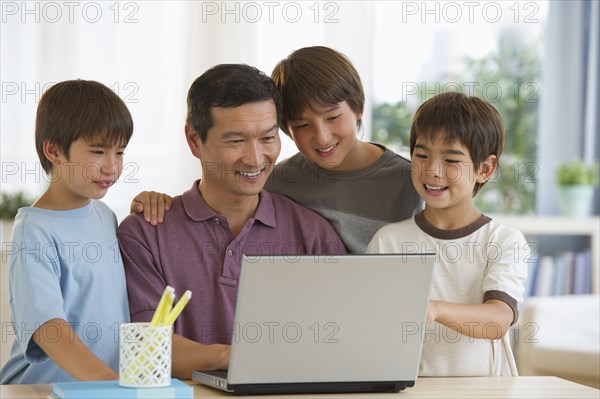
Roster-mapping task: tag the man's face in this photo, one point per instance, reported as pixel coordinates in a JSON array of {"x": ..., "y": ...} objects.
[{"x": 240, "y": 149}]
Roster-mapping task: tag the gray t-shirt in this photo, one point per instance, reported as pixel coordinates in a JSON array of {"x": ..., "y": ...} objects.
[{"x": 357, "y": 203}]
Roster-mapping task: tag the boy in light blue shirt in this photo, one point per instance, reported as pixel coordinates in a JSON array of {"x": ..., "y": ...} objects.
[{"x": 67, "y": 284}]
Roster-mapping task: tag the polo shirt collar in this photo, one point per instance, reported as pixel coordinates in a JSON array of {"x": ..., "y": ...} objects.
[
  {"x": 197, "y": 209},
  {"x": 265, "y": 213}
]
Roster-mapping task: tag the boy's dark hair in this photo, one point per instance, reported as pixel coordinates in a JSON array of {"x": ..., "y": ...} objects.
[
  {"x": 472, "y": 121},
  {"x": 317, "y": 75},
  {"x": 227, "y": 86},
  {"x": 76, "y": 109}
]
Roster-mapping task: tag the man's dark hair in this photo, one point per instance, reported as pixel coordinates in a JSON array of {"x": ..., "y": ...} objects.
[{"x": 227, "y": 86}]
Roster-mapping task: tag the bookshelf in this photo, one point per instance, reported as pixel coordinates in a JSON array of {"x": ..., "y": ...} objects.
[{"x": 561, "y": 226}]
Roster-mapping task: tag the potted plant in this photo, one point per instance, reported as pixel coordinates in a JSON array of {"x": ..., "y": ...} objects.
[
  {"x": 576, "y": 181},
  {"x": 9, "y": 206}
]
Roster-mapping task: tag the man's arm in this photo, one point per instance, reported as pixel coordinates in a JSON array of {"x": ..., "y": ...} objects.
[
  {"x": 490, "y": 320},
  {"x": 190, "y": 355},
  {"x": 60, "y": 342},
  {"x": 145, "y": 285},
  {"x": 330, "y": 242}
]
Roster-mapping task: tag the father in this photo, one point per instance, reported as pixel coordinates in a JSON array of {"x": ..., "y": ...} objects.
[{"x": 232, "y": 125}]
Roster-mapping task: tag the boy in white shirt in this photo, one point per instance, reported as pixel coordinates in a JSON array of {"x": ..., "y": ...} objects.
[{"x": 455, "y": 145}]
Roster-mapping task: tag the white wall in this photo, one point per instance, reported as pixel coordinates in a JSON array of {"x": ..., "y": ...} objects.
[{"x": 150, "y": 52}]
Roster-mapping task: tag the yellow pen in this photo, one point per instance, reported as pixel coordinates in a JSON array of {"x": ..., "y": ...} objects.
[
  {"x": 173, "y": 314},
  {"x": 161, "y": 309},
  {"x": 167, "y": 309}
]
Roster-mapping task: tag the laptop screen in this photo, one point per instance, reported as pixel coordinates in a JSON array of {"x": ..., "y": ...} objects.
[{"x": 328, "y": 318}]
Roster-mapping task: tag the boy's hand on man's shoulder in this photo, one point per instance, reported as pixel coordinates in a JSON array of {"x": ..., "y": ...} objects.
[{"x": 152, "y": 204}]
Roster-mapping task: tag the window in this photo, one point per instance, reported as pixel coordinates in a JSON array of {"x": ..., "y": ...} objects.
[{"x": 488, "y": 49}]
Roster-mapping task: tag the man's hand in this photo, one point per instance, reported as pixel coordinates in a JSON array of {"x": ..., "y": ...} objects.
[
  {"x": 190, "y": 355},
  {"x": 152, "y": 204}
]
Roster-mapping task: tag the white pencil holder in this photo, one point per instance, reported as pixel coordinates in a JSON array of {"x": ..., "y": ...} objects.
[{"x": 144, "y": 355}]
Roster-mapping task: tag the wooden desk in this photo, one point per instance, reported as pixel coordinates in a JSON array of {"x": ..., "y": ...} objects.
[{"x": 474, "y": 387}]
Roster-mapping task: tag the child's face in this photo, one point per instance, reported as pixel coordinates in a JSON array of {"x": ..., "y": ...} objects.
[
  {"x": 327, "y": 135},
  {"x": 89, "y": 171},
  {"x": 444, "y": 174}
]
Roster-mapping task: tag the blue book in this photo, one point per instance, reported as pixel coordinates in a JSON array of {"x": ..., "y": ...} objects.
[
  {"x": 112, "y": 389},
  {"x": 582, "y": 273},
  {"x": 530, "y": 282}
]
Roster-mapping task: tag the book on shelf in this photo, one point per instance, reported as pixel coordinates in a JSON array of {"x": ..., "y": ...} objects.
[
  {"x": 532, "y": 268},
  {"x": 563, "y": 272},
  {"x": 569, "y": 273},
  {"x": 544, "y": 276},
  {"x": 112, "y": 389},
  {"x": 582, "y": 273},
  {"x": 568, "y": 284}
]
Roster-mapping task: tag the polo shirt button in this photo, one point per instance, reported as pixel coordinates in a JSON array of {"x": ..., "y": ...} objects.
[
  {"x": 230, "y": 252},
  {"x": 217, "y": 221}
]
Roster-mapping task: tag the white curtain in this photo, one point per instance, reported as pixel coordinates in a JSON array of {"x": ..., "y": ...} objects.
[
  {"x": 570, "y": 102},
  {"x": 150, "y": 52}
]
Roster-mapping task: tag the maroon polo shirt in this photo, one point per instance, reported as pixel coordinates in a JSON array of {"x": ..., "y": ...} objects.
[{"x": 192, "y": 250}]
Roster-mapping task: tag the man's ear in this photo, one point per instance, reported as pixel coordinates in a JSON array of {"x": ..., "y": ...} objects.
[
  {"x": 52, "y": 152},
  {"x": 487, "y": 168},
  {"x": 193, "y": 140}
]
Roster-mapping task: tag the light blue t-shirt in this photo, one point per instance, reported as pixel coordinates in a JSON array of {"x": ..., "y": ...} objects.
[{"x": 64, "y": 265}]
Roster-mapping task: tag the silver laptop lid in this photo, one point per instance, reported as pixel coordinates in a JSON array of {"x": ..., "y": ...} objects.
[{"x": 322, "y": 318}]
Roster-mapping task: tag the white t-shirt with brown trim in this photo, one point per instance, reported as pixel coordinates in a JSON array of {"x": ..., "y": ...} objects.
[{"x": 485, "y": 260}]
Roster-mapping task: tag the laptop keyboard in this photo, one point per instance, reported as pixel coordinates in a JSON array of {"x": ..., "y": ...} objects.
[{"x": 216, "y": 373}]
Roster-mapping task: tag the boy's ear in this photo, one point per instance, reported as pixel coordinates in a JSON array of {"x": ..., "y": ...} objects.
[
  {"x": 358, "y": 118},
  {"x": 487, "y": 168},
  {"x": 52, "y": 152}
]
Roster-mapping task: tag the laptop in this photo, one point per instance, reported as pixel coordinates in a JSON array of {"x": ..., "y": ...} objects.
[{"x": 327, "y": 323}]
